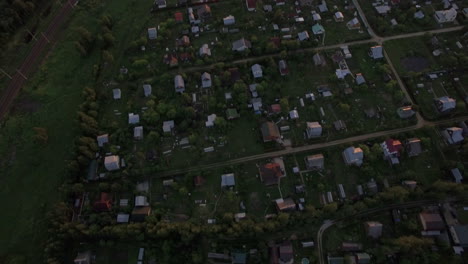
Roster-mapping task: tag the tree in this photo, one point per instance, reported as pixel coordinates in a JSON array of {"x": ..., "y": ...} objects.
[
  {"x": 107, "y": 56},
  {"x": 284, "y": 102},
  {"x": 411, "y": 244},
  {"x": 108, "y": 39},
  {"x": 41, "y": 136}
]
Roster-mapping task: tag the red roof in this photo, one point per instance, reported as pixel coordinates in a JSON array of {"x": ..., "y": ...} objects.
[
  {"x": 271, "y": 173},
  {"x": 275, "y": 108},
  {"x": 198, "y": 180},
  {"x": 394, "y": 146},
  {"x": 251, "y": 3},
  {"x": 179, "y": 17},
  {"x": 104, "y": 204}
]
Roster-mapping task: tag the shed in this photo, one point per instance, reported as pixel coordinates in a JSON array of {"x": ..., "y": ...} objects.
[
  {"x": 228, "y": 180},
  {"x": 147, "y": 89},
  {"x": 112, "y": 163},
  {"x": 117, "y": 94},
  {"x": 138, "y": 133}
]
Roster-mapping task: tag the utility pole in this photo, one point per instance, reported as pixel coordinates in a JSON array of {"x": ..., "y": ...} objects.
[
  {"x": 4, "y": 72},
  {"x": 33, "y": 36},
  {"x": 20, "y": 73},
  {"x": 45, "y": 37}
]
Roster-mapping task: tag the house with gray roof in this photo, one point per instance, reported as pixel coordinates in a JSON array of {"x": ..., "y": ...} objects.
[
  {"x": 315, "y": 162},
  {"x": 445, "y": 16},
  {"x": 313, "y": 130},
  {"x": 360, "y": 79},
  {"x": 257, "y": 71},
  {"x": 138, "y": 133},
  {"x": 413, "y": 147},
  {"x": 228, "y": 180},
  {"x": 457, "y": 176},
  {"x": 179, "y": 84},
  {"x": 445, "y": 104},
  {"x": 304, "y": 35},
  {"x": 147, "y": 89},
  {"x": 229, "y": 20},
  {"x": 319, "y": 60},
  {"x": 459, "y": 235},
  {"x": 102, "y": 139},
  {"x": 206, "y": 80},
  {"x": 373, "y": 229},
  {"x": 419, "y": 14},
  {"x": 453, "y": 135},
  {"x": 152, "y": 33},
  {"x": 168, "y": 126},
  {"x": 204, "y": 50},
  {"x": 241, "y": 45},
  {"x": 353, "y": 156},
  {"x": 133, "y": 118},
  {"x": 322, "y": 7},
  {"x": 116, "y": 94},
  {"x": 405, "y": 112},
  {"x": 376, "y": 52}
]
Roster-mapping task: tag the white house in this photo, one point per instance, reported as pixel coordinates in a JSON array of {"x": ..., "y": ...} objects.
[
  {"x": 179, "y": 84},
  {"x": 147, "y": 89},
  {"x": 116, "y": 94},
  {"x": 211, "y": 120},
  {"x": 257, "y": 71},
  {"x": 338, "y": 17},
  {"x": 293, "y": 114},
  {"x": 376, "y": 52},
  {"x": 204, "y": 50},
  {"x": 133, "y": 119},
  {"x": 152, "y": 33},
  {"x": 314, "y": 129},
  {"x": 229, "y": 20},
  {"x": 112, "y": 163},
  {"x": 445, "y": 16}
]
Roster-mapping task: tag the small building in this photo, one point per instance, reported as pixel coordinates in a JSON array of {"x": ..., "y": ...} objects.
[
  {"x": 147, "y": 89},
  {"x": 363, "y": 258},
  {"x": 141, "y": 200},
  {"x": 413, "y": 147},
  {"x": 179, "y": 17},
  {"x": 318, "y": 29},
  {"x": 313, "y": 130},
  {"x": 161, "y": 3},
  {"x": 293, "y": 114},
  {"x": 335, "y": 260},
  {"x": 431, "y": 221},
  {"x": 360, "y": 79},
  {"x": 270, "y": 131},
  {"x": 353, "y": 24},
  {"x": 456, "y": 174},
  {"x": 204, "y": 12},
  {"x": 228, "y": 180},
  {"x": 351, "y": 246},
  {"x": 376, "y": 52},
  {"x": 179, "y": 84},
  {"x": 116, "y": 94},
  {"x": 283, "y": 67},
  {"x": 241, "y": 45},
  {"x": 102, "y": 139},
  {"x": 206, "y": 80},
  {"x": 275, "y": 109},
  {"x": 239, "y": 257},
  {"x": 168, "y": 126},
  {"x": 133, "y": 119},
  {"x": 373, "y": 229},
  {"x": 112, "y": 163},
  {"x": 383, "y": 9},
  {"x": 316, "y": 17},
  {"x": 104, "y": 203},
  {"x": 204, "y": 51},
  {"x": 286, "y": 204},
  {"x": 184, "y": 41},
  {"x": 445, "y": 104},
  {"x": 257, "y": 71},
  {"x": 152, "y": 33},
  {"x": 322, "y": 7},
  {"x": 419, "y": 14},
  {"x": 303, "y": 35},
  {"x": 138, "y": 133},
  {"x": 229, "y": 20},
  {"x": 83, "y": 258},
  {"x": 211, "y": 120},
  {"x": 315, "y": 162},
  {"x": 391, "y": 150},
  {"x": 453, "y": 135},
  {"x": 231, "y": 113},
  {"x": 270, "y": 173},
  {"x": 122, "y": 218},
  {"x": 338, "y": 17},
  {"x": 445, "y": 16},
  {"x": 286, "y": 254},
  {"x": 353, "y": 156},
  {"x": 405, "y": 112},
  {"x": 319, "y": 60},
  {"x": 459, "y": 235},
  {"x": 139, "y": 213},
  {"x": 339, "y": 125},
  {"x": 251, "y": 5}
]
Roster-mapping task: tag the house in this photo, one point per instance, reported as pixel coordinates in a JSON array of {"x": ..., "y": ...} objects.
[
  {"x": 286, "y": 204},
  {"x": 351, "y": 246},
  {"x": 112, "y": 163},
  {"x": 138, "y": 133},
  {"x": 231, "y": 113},
  {"x": 339, "y": 125},
  {"x": 383, "y": 9},
  {"x": 313, "y": 130},
  {"x": 376, "y": 52},
  {"x": 251, "y": 4},
  {"x": 353, "y": 156},
  {"x": 141, "y": 200},
  {"x": 179, "y": 17},
  {"x": 116, "y": 94},
  {"x": 373, "y": 229},
  {"x": 139, "y": 213},
  {"x": 275, "y": 109},
  {"x": 391, "y": 150},
  {"x": 104, "y": 203},
  {"x": 122, "y": 218},
  {"x": 152, "y": 33},
  {"x": 323, "y": 7},
  {"x": 270, "y": 131},
  {"x": 257, "y": 71},
  {"x": 445, "y": 16},
  {"x": 133, "y": 119},
  {"x": 316, "y": 17},
  {"x": 241, "y": 45},
  {"x": 315, "y": 162},
  {"x": 318, "y": 29},
  {"x": 293, "y": 114},
  {"x": 253, "y": 91},
  {"x": 184, "y": 41},
  {"x": 168, "y": 126},
  {"x": 413, "y": 147},
  {"x": 211, "y": 120},
  {"x": 102, "y": 139},
  {"x": 229, "y": 20},
  {"x": 306, "y": 2},
  {"x": 83, "y": 258},
  {"x": 204, "y": 51},
  {"x": 431, "y": 221},
  {"x": 405, "y": 112},
  {"x": 204, "y": 12},
  {"x": 170, "y": 60},
  {"x": 147, "y": 89},
  {"x": 270, "y": 173},
  {"x": 457, "y": 176},
  {"x": 453, "y": 135},
  {"x": 319, "y": 60},
  {"x": 228, "y": 180},
  {"x": 419, "y": 14},
  {"x": 286, "y": 255},
  {"x": 335, "y": 260},
  {"x": 338, "y": 17},
  {"x": 353, "y": 24},
  {"x": 459, "y": 235},
  {"x": 410, "y": 184},
  {"x": 198, "y": 181},
  {"x": 346, "y": 52},
  {"x": 360, "y": 79},
  {"x": 363, "y": 258},
  {"x": 238, "y": 258},
  {"x": 283, "y": 67},
  {"x": 267, "y": 8},
  {"x": 179, "y": 84},
  {"x": 206, "y": 80},
  {"x": 256, "y": 102},
  {"x": 445, "y": 104},
  {"x": 304, "y": 35}
]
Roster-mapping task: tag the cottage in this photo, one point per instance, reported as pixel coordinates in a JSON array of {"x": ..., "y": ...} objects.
[
  {"x": 335, "y": 260},
  {"x": 351, "y": 246},
  {"x": 353, "y": 24},
  {"x": 138, "y": 133},
  {"x": 133, "y": 118},
  {"x": 363, "y": 258},
  {"x": 147, "y": 89},
  {"x": 318, "y": 29},
  {"x": 171, "y": 60},
  {"x": 228, "y": 180},
  {"x": 152, "y": 33},
  {"x": 256, "y": 103},
  {"x": 391, "y": 150},
  {"x": 431, "y": 221},
  {"x": 168, "y": 126},
  {"x": 251, "y": 5},
  {"x": 104, "y": 203},
  {"x": 405, "y": 112},
  {"x": 229, "y": 20},
  {"x": 456, "y": 174},
  {"x": 116, "y": 94},
  {"x": 323, "y": 7},
  {"x": 270, "y": 173},
  {"x": 360, "y": 79},
  {"x": 211, "y": 120},
  {"x": 286, "y": 204},
  {"x": 313, "y": 130},
  {"x": 270, "y": 131},
  {"x": 316, "y": 17},
  {"x": 453, "y": 135},
  {"x": 141, "y": 200},
  {"x": 413, "y": 147},
  {"x": 239, "y": 257},
  {"x": 445, "y": 16},
  {"x": 304, "y": 35},
  {"x": 286, "y": 255},
  {"x": 179, "y": 17},
  {"x": 319, "y": 60},
  {"x": 339, "y": 125},
  {"x": 419, "y": 15},
  {"x": 283, "y": 67},
  {"x": 241, "y": 45},
  {"x": 231, "y": 113},
  {"x": 315, "y": 162},
  {"x": 83, "y": 258},
  {"x": 122, "y": 218},
  {"x": 459, "y": 235},
  {"x": 353, "y": 156},
  {"x": 139, "y": 213},
  {"x": 206, "y": 80},
  {"x": 204, "y": 12},
  {"x": 112, "y": 163},
  {"x": 383, "y": 9},
  {"x": 445, "y": 104},
  {"x": 376, "y": 52},
  {"x": 293, "y": 114},
  {"x": 102, "y": 139},
  {"x": 267, "y": 8},
  {"x": 257, "y": 71},
  {"x": 204, "y": 51},
  {"x": 179, "y": 84},
  {"x": 184, "y": 41},
  {"x": 275, "y": 109},
  {"x": 373, "y": 229},
  {"x": 338, "y": 17}
]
